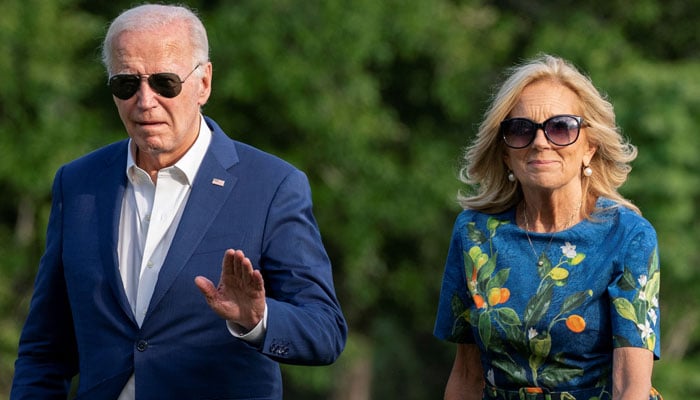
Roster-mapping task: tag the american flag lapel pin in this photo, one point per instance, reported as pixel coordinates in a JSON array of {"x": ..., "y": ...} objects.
[{"x": 217, "y": 182}]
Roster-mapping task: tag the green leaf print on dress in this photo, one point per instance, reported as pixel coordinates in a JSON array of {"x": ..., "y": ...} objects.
[
  {"x": 643, "y": 309},
  {"x": 490, "y": 294}
]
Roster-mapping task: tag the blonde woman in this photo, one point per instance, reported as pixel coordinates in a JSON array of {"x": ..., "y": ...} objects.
[{"x": 551, "y": 283}]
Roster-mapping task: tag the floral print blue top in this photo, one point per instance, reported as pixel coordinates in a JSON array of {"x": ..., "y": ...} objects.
[{"x": 551, "y": 320}]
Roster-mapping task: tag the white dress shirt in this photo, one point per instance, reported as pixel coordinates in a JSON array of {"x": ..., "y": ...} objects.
[{"x": 150, "y": 216}]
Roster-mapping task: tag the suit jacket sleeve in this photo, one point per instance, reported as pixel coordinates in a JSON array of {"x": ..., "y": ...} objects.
[
  {"x": 305, "y": 322},
  {"x": 47, "y": 358}
]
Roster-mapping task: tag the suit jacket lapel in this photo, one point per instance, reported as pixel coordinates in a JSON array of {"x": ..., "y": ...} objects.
[
  {"x": 109, "y": 203},
  {"x": 211, "y": 188}
]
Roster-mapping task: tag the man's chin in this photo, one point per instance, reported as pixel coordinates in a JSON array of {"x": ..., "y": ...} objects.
[{"x": 149, "y": 146}]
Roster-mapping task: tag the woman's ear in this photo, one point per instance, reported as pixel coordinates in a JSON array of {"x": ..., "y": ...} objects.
[{"x": 588, "y": 155}]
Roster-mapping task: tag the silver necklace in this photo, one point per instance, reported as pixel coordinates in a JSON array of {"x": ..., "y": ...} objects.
[{"x": 551, "y": 237}]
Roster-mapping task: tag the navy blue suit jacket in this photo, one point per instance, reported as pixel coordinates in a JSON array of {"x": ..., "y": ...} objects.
[{"x": 80, "y": 320}]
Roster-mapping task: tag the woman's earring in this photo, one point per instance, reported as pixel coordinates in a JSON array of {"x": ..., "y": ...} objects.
[
  {"x": 511, "y": 176},
  {"x": 587, "y": 171}
]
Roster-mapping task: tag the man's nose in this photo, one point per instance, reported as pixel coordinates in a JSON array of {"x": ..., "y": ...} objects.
[{"x": 146, "y": 96}]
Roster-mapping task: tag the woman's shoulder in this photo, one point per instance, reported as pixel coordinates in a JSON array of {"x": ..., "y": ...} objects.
[
  {"x": 611, "y": 211},
  {"x": 471, "y": 221},
  {"x": 470, "y": 215}
]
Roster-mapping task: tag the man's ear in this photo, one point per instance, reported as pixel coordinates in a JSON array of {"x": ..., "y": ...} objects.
[{"x": 205, "y": 84}]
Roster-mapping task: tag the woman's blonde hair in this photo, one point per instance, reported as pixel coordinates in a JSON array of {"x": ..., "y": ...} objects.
[{"x": 484, "y": 169}]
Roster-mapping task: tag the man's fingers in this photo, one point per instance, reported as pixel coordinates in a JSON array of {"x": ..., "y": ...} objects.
[
  {"x": 257, "y": 279},
  {"x": 236, "y": 268},
  {"x": 228, "y": 263},
  {"x": 239, "y": 296},
  {"x": 205, "y": 286}
]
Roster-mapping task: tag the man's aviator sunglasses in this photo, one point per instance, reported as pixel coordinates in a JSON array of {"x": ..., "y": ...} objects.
[
  {"x": 561, "y": 130},
  {"x": 166, "y": 84}
]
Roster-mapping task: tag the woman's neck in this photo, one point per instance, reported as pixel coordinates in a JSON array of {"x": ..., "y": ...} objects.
[{"x": 543, "y": 216}]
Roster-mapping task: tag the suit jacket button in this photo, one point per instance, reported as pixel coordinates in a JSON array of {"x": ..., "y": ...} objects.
[{"x": 142, "y": 345}]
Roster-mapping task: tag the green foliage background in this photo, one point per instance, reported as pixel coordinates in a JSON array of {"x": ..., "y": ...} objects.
[{"x": 375, "y": 100}]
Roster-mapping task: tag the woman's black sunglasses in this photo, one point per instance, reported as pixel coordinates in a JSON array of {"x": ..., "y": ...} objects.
[
  {"x": 561, "y": 130},
  {"x": 166, "y": 84}
]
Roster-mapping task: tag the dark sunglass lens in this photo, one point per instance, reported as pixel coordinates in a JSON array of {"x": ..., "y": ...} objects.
[
  {"x": 165, "y": 84},
  {"x": 562, "y": 130},
  {"x": 124, "y": 86},
  {"x": 518, "y": 133}
]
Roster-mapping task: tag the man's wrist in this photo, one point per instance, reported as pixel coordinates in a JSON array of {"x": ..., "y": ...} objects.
[{"x": 254, "y": 335}]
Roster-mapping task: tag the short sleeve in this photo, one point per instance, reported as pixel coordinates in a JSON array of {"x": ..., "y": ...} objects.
[
  {"x": 634, "y": 293},
  {"x": 450, "y": 322}
]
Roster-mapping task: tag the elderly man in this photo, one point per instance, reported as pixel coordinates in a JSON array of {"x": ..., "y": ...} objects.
[{"x": 138, "y": 229}]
